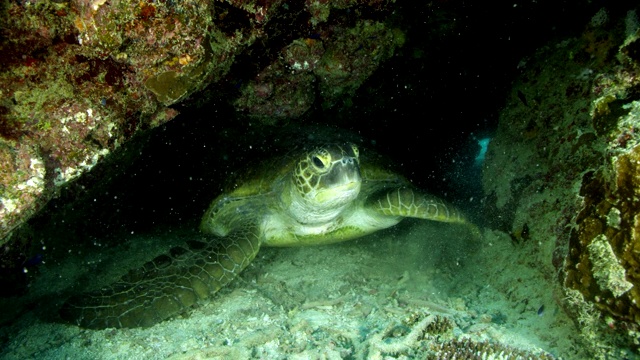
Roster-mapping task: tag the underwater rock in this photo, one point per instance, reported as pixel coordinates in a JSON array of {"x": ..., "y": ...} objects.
[
  {"x": 278, "y": 93},
  {"x": 80, "y": 78},
  {"x": 565, "y": 163},
  {"x": 339, "y": 61},
  {"x": 603, "y": 259},
  {"x": 604, "y": 253},
  {"x": 607, "y": 271},
  {"x": 72, "y": 84},
  {"x": 353, "y": 56}
]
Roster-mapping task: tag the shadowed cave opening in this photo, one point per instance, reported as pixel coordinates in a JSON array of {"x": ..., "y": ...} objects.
[{"x": 426, "y": 109}]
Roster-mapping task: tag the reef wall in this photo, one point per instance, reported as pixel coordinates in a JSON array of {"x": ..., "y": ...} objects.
[
  {"x": 562, "y": 174},
  {"x": 81, "y": 77}
]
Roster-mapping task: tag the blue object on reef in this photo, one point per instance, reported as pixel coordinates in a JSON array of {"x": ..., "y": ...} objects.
[{"x": 484, "y": 145}]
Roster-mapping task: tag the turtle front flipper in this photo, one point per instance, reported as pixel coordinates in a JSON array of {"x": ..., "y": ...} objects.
[
  {"x": 167, "y": 285},
  {"x": 408, "y": 202}
]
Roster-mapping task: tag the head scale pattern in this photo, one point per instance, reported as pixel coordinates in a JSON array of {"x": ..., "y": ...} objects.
[{"x": 319, "y": 167}]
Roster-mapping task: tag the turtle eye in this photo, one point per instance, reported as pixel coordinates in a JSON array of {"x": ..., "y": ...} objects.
[
  {"x": 321, "y": 159},
  {"x": 317, "y": 162}
]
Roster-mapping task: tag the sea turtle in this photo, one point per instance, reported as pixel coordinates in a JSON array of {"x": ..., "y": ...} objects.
[{"x": 322, "y": 195}]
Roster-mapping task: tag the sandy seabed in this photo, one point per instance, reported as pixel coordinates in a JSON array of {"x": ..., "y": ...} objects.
[{"x": 406, "y": 292}]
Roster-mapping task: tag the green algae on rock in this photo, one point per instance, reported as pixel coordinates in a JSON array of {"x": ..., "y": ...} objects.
[{"x": 119, "y": 66}]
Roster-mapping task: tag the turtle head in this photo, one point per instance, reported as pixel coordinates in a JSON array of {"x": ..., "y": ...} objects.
[{"x": 325, "y": 180}]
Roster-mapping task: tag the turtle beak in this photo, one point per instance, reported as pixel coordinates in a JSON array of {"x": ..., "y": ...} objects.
[
  {"x": 343, "y": 183},
  {"x": 345, "y": 173},
  {"x": 341, "y": 194}
]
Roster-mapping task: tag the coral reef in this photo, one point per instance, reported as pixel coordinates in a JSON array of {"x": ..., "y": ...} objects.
[
  {"x": 284, "y": 89},
  {"x": 607, "y": 271},
  {"x": 353, "y": 57},
  {"x": 603, "y": 259},
  {"x": 338, "y": 61},
  {"x": 429, "y": 336},
  {"x": 73, "y": 87},
  {"x": 472, "y": 350},
  {"x": 81, "y": 77},
  {"x": 567, "y": 144}
]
